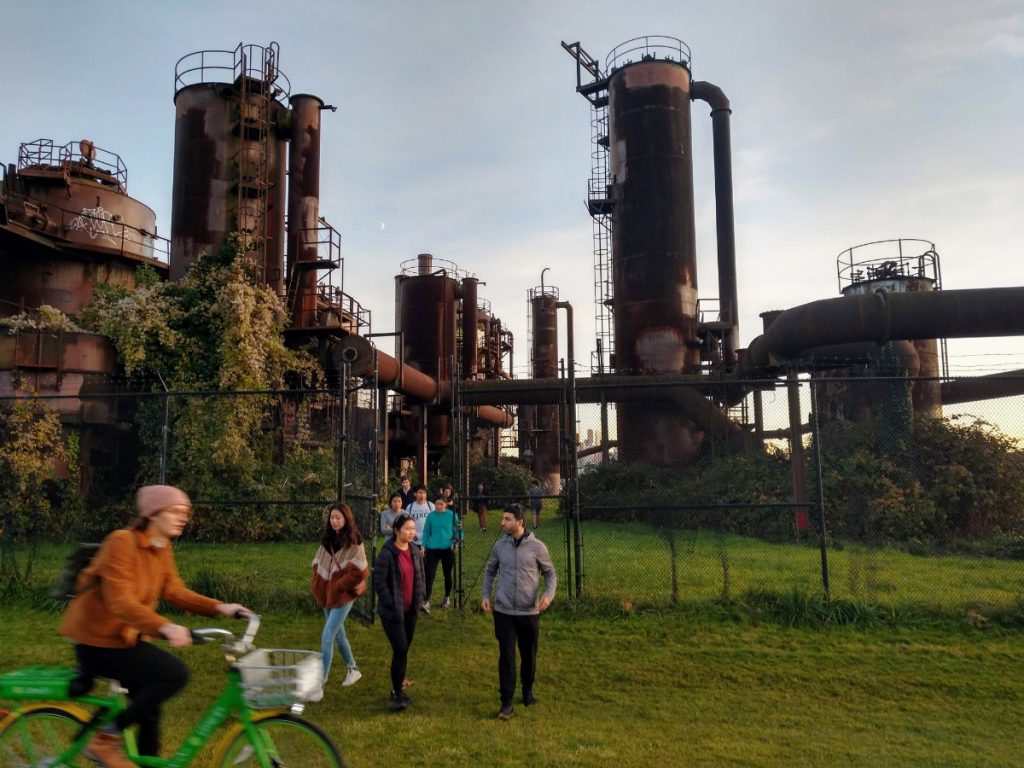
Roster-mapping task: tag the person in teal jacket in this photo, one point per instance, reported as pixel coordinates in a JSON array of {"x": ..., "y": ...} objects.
[{"x": 440, "y": 533}]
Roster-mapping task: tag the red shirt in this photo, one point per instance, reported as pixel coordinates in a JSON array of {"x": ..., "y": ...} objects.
[{"x": 406, "y": 571}]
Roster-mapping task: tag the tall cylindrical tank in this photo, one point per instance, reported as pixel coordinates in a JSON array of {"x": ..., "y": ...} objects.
[
  {"x": 229, "y": 155},
  {"x": 902, "y": 269},
  {"x": 544, "y": 355},
  {"x": 427, "y": 317},
  {"x": 79, "y": 227},
  {"x": 303, "y": 207},
  {"x": 653, "y": 249}
]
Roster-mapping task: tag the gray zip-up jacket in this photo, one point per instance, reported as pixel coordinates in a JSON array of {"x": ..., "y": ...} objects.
[{"x": 518, "y": 567}]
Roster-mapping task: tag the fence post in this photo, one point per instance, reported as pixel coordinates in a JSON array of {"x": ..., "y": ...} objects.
[
  {"x": 796, "y": 450},
  {"x": 816, "y": 434},
  {"x": 165, "y": 430},
  {"x": 342, "y": 427}
]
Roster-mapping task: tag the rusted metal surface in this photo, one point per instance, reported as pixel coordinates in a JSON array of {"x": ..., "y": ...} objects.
[
  {"x": 209, "y": 146},
  {"x": 78, "y": 203},
  {"x": 728, "y": 294},
  {"x": 303, "y": 207},
  {"x": 653, "y": 248},
  {"x": 202, "y": 180},
  {"x": 880, "y": 316},
  {"x": 68, "y": 225},
  {"x": 427, "y": 321},
  {"x": 470, "y": 328},
  {"x": 68, "y": 364},
  {"x": 545, "y": 434},
  {"x": 904, "y": 275},
  {"x": 1007, "y": 384},
  {"x": 663, "y": 391}
]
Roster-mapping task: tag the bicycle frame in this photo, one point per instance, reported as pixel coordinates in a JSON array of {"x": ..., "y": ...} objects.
[{"x": 229, "y": 704}]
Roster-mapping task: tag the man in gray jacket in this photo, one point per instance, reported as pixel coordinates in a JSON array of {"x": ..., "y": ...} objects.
[{"x": 518, "y": 558}]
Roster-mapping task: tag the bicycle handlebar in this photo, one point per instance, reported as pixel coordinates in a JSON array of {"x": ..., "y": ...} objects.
[{"x": 206, "y": 634}]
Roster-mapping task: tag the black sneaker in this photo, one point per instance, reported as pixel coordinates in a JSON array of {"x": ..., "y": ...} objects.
[
  {"x": 506, "y": 712},
  {"x": 399, "y": 701},
  {"x": 528, "y": 698}
]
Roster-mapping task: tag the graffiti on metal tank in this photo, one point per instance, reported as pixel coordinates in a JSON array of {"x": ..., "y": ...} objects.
[{"x": 98, "y": 222}]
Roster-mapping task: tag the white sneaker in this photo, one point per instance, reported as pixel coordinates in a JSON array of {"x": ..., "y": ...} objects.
[
  {"x": 425, "y": 608},
  {"x": 446, "y": 604},
  {"x": 352, "y": 677},
  {"x": 317, "y": 695}
]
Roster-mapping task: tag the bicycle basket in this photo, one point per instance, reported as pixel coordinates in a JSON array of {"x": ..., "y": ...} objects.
[
  {"x": 38, "y": 683},
  {"x": 279, "y": 677}
]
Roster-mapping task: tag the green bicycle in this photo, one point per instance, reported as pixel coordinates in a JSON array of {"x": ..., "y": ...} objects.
[{"x": 52, "y": 728}]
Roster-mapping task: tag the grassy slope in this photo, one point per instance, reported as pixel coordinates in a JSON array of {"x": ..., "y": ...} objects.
[
  {"x": 631, "y": 563},
  {"x": 649, "y": 689}
]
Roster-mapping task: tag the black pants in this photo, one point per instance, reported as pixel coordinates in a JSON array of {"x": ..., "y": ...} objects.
[
  {"x": 150, "y": 674},
  {"x": 512, "y": 630},
  {"x": 400, "y": 636},
  {"x": 447, "y": 560}
]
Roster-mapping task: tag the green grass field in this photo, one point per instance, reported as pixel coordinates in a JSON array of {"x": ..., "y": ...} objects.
[
  {"x": 631, "y": 565},
  {"x": 659, "y": 688}
]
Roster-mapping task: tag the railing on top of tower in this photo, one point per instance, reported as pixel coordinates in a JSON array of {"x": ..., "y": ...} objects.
[
  {"x": 411, "y": 268},
  {"x": 249, "y": 60},
  {"x": 903, "y": 258},
  {"x": 97, "y": 164},
  {"x": 648, "y": 48}
]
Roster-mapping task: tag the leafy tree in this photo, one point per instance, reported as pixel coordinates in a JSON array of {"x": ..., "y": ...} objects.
[{"x": 31, "y": 447}]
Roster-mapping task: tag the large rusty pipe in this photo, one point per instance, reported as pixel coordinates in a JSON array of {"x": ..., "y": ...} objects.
[
  {"x": 303, "y": 206},
  {"x": 882, "y": 316},
  {"x": 1006, "y": 384},
  {"x": 679, "y": 391},
  {"x": 405, "y": 379},
  {"x": 728, "y": 294},
  {"x": 362, "y": 359},
  {"x": 492, "y": 415}
]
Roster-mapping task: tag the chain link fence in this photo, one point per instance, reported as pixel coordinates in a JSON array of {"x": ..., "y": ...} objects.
[
  {"x": 884, "y": 497},
  {"x": 848, "y": 488}
]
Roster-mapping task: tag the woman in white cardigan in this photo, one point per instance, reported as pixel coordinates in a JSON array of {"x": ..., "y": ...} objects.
[{"x": 340, "y": 569}]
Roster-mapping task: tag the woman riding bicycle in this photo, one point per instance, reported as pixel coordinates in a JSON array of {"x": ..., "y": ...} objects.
[{"x": 114, "y": 614}]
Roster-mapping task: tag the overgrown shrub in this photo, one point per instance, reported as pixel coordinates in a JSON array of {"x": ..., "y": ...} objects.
[
  {"x": 948, "y": 481},
  {"x": 32, "y": 493},
  {"x": 648, "y": 493}
]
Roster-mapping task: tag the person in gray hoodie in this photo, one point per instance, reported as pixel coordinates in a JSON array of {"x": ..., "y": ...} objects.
[{"x": 517, "y": 559}]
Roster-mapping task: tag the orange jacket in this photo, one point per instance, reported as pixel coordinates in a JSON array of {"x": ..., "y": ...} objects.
[{"x": 119, "y": 590}]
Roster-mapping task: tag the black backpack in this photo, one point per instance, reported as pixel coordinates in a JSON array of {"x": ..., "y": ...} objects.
[{"x": 63, "y": 588}]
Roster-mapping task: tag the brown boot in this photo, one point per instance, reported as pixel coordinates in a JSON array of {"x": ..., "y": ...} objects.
[{"x": 108, "y": 749}]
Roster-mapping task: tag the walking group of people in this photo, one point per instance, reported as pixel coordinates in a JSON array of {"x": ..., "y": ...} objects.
[
  {"x": 419, "y": 536},
  {"x": 113, "y": 616}
]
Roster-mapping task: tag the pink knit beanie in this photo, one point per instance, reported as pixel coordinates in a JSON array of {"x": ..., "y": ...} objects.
[{"x": 151, "y": 499}]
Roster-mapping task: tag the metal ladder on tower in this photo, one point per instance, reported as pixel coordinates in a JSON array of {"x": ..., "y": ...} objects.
[
  {"x": 254, "y": 82},
  {"x": 599, "y": 203}
]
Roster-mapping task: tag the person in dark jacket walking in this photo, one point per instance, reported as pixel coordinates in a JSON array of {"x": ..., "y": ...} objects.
[
  {"x": 400, "y": 585},
  {"x": 517, "y": 559}
]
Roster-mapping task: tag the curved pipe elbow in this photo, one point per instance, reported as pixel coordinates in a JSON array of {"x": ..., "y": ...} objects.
[{"x": 701, "y": 90}]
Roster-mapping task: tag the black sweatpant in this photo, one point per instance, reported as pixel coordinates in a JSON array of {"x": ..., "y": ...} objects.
[
  {"x": 400, "y": 636},
  {"x": 447, "y": 560},
  {"x": 510, "y": 631},
  {"x": 151, "y": 675}
]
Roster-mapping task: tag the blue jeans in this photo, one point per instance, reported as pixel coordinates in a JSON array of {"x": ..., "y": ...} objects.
[{"x": 334, "y": 632}]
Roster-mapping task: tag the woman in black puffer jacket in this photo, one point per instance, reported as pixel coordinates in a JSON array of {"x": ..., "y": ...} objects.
[{"x": 400, "y": 585}]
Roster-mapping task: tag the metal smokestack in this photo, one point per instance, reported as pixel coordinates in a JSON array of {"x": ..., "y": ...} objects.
[{"x": 303, "y": 207}]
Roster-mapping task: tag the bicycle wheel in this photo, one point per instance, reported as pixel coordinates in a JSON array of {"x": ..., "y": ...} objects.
[
  {"x": 290, "y": 741},
  {"x": 28, "y": 738}
]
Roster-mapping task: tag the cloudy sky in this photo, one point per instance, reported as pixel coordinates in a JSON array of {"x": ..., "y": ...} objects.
[{"x": 460, "y": 131}]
